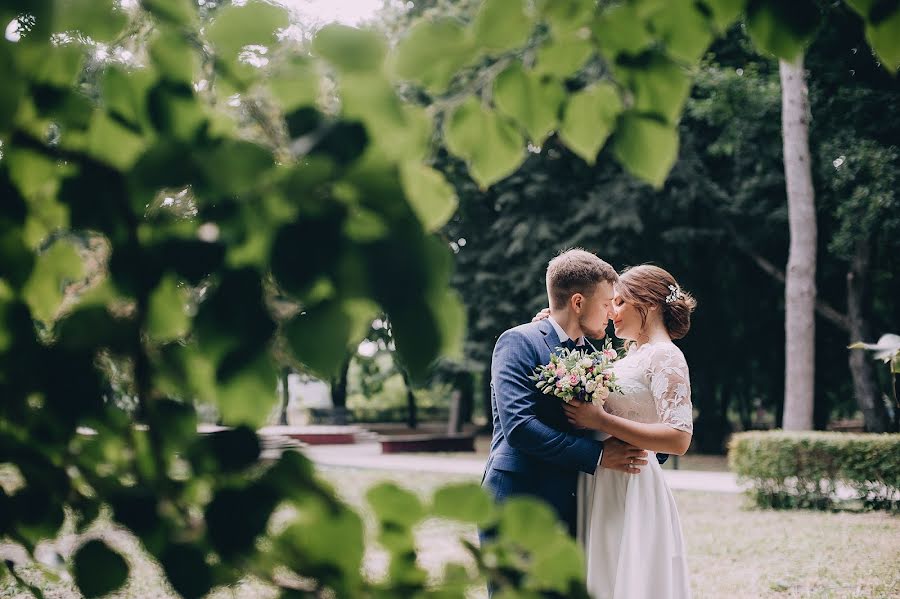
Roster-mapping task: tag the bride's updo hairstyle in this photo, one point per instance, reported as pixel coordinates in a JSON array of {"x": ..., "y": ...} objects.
[{"x": 646, "y": 286}]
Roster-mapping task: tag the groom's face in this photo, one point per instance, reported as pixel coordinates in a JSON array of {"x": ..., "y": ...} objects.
[{"x": 596, "y": 311}]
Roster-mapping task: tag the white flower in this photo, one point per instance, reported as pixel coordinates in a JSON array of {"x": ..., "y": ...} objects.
[
  {"x": 601, "y": 392},
  {"x": 585, "y": 363},
  {"x": 591, "y": 386}
]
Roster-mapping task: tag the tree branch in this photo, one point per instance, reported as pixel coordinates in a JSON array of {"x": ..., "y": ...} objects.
[{"x": 823, "y": 308}]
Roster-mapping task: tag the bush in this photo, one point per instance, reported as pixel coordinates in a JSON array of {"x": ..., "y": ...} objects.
[{"x": 803, "y": 469}]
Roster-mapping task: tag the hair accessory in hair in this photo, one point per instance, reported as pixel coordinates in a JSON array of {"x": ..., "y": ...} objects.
[{"x": 675, "y": 295}]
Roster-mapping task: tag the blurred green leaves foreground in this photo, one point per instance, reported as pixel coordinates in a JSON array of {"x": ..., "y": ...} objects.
[{"x": 193, "y": 199}]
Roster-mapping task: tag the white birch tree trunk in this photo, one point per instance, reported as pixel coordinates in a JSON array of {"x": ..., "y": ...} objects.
[{"x": 800, "y": 284}]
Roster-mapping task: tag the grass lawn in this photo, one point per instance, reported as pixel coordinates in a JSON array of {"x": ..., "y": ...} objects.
[{"x": 734, "y": 552}]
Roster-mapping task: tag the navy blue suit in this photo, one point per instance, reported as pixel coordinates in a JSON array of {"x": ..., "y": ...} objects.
[{"x": 534, "y": 451}]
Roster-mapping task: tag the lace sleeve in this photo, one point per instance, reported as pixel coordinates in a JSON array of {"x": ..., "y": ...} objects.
[{"x": 670, "y": 385}]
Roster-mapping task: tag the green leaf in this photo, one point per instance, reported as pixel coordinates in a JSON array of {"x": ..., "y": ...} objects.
[
  {"x": 321, "y": 337},
  {"x": 294, "y": 83},
  {"x": 660, "y": 85},
  {"x": 466, "y": 502},
  {"x": 724, "y": 12},
  {"x": 101, "y": 20},
  {"x": 502, "y": 24},
  {"x": 685, "y": 31},
  {"x": 621, "y": 30},
  {"x": 186, "y": 569},
  {"x": 782, "y": 28},
  {"x": 433, "y": 199},
  {"x": 590, "y": 118},
  {"x": 246, "y": 391},
  {"x": 395, "y": 505},
  {"x": 177, "y": 12},
  {"x": 175, "y": 111},
  {"x": 234, "y": 449},
  {"x": 91, "y": 327},
  {"x": 432, "y": 53},
  {"x": 33, "y": 173},
  {"x": 489, "y": 144},
  {"x": 531, "y": 100},
  {"x": 176, "y": 421},
  {"x": 557, "y": 564},
  {"x": 450, "y": 314},
  {"x": 53, "y": 270},
  {"x": 314, "y": 536},
  {"x": 562, "y": 57},
  {"x": 646, "y": 148},
  {"x": 125, "y": 94},
  {"x": 884, "y": 37},
  {"x": 527, "y": 523},
  {"x": 254, "y": 23},
  {"x": 349, "y": 49},
  {"x": 236, "y": 167},
  {"x": 58, "y": 66},
  {"x": 111, "y": 143},
  {"x": 12, "y": 90},
  {"x": 566, "y": 15},
  {"x": 98, "y": 569},
  {"x": 399, "y": 130},
  {"x": 167, "y": 318},
  {"x": 175, "y": 59}
]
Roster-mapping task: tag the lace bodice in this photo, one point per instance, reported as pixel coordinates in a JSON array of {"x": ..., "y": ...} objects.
[{"x": 655, "y": 386}]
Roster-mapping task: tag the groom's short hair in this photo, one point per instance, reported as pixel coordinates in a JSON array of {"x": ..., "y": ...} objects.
[{"x": 576, "y": 271}]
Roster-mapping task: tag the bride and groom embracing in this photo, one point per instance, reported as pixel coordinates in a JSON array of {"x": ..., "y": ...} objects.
[{"x": 599, "y": 465}]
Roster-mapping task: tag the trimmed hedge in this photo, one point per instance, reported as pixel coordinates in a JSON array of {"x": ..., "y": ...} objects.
[{"x": 804, "y": 469}]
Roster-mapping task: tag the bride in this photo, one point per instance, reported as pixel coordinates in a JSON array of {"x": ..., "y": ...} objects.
[{"x": 629, "y": 524}]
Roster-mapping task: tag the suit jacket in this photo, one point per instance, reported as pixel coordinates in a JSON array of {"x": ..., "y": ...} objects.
[{"x": 534, "y": 450}]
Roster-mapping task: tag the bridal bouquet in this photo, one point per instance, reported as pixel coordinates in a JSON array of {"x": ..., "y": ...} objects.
[{"x": 573, "y": 374}]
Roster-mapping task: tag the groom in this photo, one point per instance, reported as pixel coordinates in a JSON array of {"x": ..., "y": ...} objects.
[{"x": 534, "y": 450}]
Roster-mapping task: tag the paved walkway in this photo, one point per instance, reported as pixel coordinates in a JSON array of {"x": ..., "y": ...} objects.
[{"x": 368, "y": 456}]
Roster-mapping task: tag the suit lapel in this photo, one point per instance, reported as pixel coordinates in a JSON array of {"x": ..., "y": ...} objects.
[{"x": 550, "y": 336}]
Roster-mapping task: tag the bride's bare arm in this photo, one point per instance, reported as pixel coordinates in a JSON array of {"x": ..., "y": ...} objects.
[
  {"x": 670, "y": 388},
  {"x": 657, "y": 437}
]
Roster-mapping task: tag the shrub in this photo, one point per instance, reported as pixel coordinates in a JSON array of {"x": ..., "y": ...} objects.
[{"x": 804, "y": 469}]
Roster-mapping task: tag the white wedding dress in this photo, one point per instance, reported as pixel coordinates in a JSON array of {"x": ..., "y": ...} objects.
[{"x": 628, "y": 524}]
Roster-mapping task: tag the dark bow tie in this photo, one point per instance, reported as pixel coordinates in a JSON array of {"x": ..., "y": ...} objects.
[{"x": 570, "y": 344}]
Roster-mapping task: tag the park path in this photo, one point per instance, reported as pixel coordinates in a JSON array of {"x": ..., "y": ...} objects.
[{"x": 368, "y": 456}]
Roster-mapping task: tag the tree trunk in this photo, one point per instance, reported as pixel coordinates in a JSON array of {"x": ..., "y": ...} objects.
[
  {"x": 339, "y": 394},
  {"x": 285, "y": 396},
  {"x": 412, "y": 417},
  {"x": 861, "y": 367},
  {"x": 800, "y": 284}
]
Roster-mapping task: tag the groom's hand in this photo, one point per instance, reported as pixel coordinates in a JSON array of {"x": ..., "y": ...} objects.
[{"x": 619, "y": 455}]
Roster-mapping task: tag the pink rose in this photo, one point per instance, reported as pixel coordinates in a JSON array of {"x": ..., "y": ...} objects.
[
  {"x": 573, "y": 380},
  {"x": 559, "y": 384},
  {"x": 560, "y": 372},
  {"x": 610, "y": 353}
]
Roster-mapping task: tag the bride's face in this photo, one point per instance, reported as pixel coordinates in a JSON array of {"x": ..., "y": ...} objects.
[{"x": 626, "y": 318}]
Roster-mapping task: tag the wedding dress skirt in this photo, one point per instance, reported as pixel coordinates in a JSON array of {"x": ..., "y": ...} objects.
[{"x": 631, "y": 533}]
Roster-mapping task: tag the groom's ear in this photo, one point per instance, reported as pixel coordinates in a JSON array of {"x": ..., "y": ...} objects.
[{"x": 576, "y": 302}]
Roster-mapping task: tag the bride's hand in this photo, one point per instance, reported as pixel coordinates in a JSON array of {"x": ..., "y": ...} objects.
[
  {"x": 585, "y": 415},
  {"x": 545, "y": 313}
]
